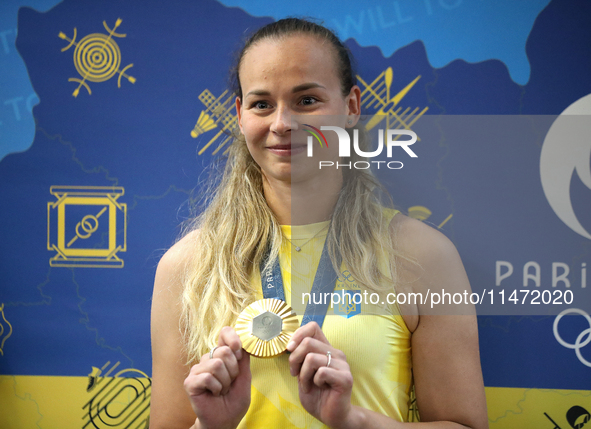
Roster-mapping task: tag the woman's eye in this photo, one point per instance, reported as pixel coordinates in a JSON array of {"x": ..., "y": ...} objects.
[
  {"x": 308, "y": 101},
  {"x": 261, "y": 105}
]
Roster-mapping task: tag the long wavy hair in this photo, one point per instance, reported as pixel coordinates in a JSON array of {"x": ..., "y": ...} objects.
[{"x": 232, "y": 234}]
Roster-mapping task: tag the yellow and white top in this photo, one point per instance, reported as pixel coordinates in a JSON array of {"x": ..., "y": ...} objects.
[{"x": 377, "y": 346}]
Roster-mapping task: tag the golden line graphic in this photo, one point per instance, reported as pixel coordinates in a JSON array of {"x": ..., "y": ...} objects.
[
  {"x": 445, "y": 221},
  {"x": 413, "y": 410},
  {"x": 376, "y": 95},
  {"x": 119, "y": 401},
  {"x": 5, "y": 332},
  {"x": 419, "y": 212},
  {"x": 423, "y": 213},
  {"x": 97, "y": 57},
  {"x": 86, "y": 226}
]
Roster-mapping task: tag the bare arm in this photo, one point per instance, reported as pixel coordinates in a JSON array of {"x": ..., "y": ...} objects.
[
  {"x": 170, "y": 406},
  {"x": 445, "y": 354},
  {"x": 215, "y": 393}
]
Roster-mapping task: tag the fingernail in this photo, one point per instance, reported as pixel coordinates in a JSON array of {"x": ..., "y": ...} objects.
[
  {"x": 239, "y": 354},
  {"x": 291, "y": 346}
]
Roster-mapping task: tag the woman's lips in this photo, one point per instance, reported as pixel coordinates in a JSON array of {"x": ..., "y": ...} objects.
[{"x": 287, "y": 149}]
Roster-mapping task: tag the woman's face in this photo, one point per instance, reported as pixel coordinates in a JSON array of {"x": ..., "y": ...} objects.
[{"x": 295, "y": 75}]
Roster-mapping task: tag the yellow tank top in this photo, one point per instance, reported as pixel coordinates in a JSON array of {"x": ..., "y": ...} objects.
[{"x": 377, "y": 346}]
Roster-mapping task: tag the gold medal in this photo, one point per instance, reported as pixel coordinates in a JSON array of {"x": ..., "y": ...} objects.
[{"x": 266, "y": 326}]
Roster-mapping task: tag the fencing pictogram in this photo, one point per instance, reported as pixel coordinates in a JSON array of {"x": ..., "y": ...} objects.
[{"x": 97, "y": 57}]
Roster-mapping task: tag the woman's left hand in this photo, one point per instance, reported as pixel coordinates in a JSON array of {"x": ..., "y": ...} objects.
[{"x": 325, "y": 390}]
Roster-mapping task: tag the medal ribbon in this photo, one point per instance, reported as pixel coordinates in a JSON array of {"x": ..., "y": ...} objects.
[{"x": 324, "y": 282}]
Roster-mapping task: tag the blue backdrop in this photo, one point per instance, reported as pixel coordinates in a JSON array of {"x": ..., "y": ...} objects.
[{"x": 95, "y": 178}]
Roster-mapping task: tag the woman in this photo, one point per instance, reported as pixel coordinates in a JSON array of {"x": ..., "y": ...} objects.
[{"x": 354, "y": 372}]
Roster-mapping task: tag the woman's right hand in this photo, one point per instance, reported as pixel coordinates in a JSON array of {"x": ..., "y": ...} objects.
[{"x": 219, "y": 388}]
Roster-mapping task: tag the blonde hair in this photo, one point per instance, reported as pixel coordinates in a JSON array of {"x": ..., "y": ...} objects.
[{"x": 237, "y": 227}]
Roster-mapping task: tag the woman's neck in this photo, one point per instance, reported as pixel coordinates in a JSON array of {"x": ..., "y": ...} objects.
[{"x": 302, "y": 203}]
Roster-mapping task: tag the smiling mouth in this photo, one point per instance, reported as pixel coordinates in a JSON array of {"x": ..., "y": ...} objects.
[
  {"x": 287, "y": 146},
  {"x": 288, "y": 149}
]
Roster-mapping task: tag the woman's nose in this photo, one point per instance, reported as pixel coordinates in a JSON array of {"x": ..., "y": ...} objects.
[{"x": 282, "y": 121}]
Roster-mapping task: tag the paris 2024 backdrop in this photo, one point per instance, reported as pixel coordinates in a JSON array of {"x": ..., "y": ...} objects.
[{"x": 111, "y": 112}]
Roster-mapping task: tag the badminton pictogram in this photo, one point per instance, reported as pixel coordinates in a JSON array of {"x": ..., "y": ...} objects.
[
  {"x": 217, "y": 114},
  {"x": 97, "y": 57}
]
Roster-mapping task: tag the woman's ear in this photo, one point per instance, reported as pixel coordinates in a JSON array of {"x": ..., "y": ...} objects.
[
  {"x": 353, "y": 101},
  {"x": 239, "y": 113}
]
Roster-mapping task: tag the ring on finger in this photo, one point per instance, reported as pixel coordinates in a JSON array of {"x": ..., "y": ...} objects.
[
  {"x": 211, "y": 352},
  {"x": 329, "y": 356}
]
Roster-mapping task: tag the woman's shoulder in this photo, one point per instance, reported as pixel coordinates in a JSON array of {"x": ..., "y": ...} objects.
[
  {"x": 174, "y": 262},
  {"x": 429, "y": 265},
  {"x": 429, "y": 262},
  {"x": 419, "y": 240}
]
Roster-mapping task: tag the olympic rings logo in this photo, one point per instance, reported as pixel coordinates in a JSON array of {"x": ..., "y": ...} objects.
[{"x": 581, "y": 341}]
